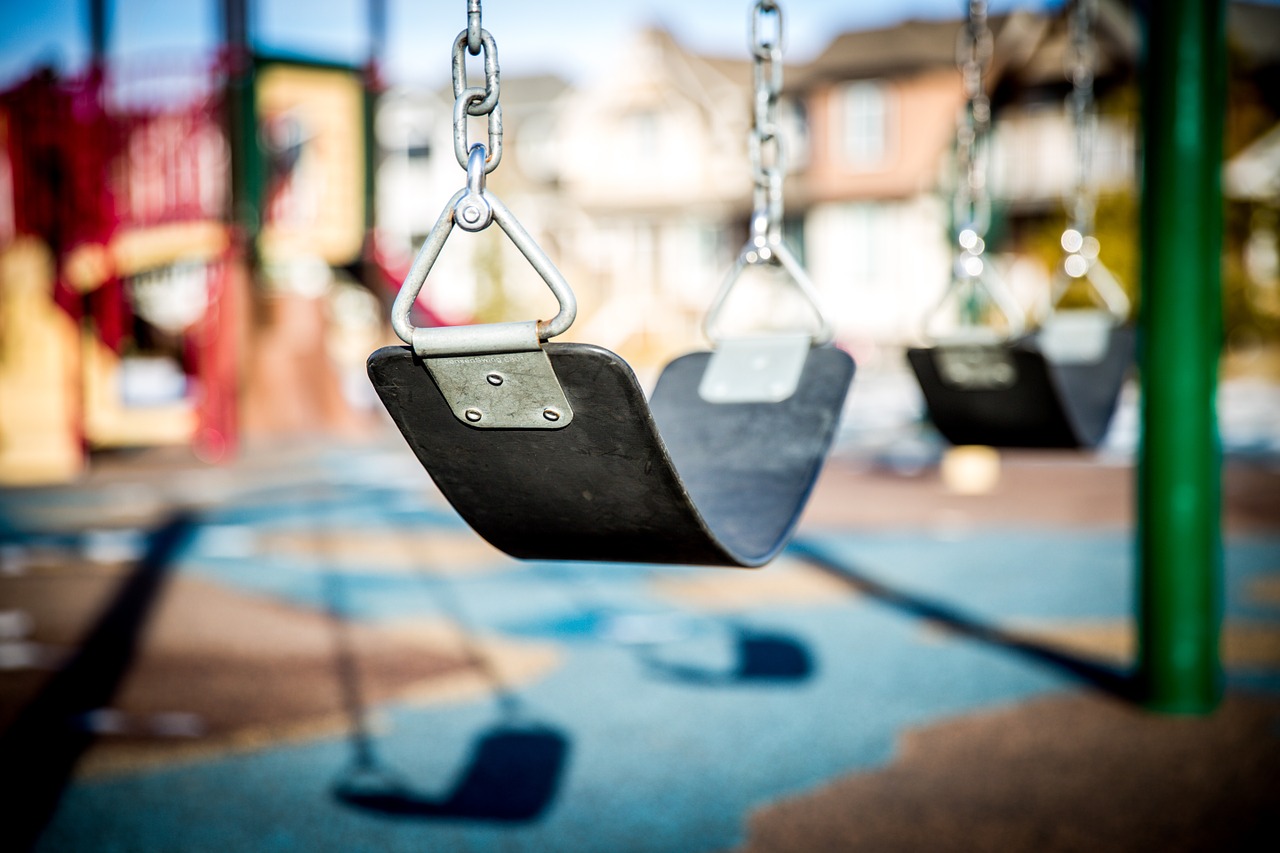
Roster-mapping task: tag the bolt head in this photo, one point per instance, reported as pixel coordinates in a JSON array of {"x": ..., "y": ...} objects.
[
  {"x": 552, "y": 415},
  {"x": 495, "y": 379},
  {"x": 471, "y": 214},
  {"x": 472, "y": 415}
]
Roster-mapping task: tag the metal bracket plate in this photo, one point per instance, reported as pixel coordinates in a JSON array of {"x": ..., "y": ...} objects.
[
  {"x": 510, "y": 390},
  {"x": 976, "y": 367},
  {"x": 755, "y": 370},
  {"x": 1078, "y": 336}
]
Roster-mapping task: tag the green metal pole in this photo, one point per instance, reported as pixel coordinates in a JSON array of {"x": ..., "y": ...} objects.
[{"x": 1179, "y": 467}]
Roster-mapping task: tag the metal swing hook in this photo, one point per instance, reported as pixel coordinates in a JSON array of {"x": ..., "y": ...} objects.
[
  {"x": 757, "y": 253},
  {"x": 473, "y": 212}
]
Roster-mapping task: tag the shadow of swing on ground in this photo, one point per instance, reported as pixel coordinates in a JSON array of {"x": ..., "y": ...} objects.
[
  {"x": 759, "y": 657},
  {"x": 511, "y": 774},
  {"x": 1115, "y": 681},
  {"x": 673, "y": 644}
]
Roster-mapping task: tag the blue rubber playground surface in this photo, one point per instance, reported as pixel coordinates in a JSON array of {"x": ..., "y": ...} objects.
[{"x": 673, "y": 709}]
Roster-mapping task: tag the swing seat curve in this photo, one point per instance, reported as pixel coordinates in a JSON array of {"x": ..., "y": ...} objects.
[
  {"x": 675, "y": 480},
  {"x": 1014, "y": 395}
]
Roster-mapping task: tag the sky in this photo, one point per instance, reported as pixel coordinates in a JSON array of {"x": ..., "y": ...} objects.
[{"x": 568, "y": 37}]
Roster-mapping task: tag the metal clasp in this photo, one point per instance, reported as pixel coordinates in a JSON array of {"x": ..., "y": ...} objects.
[
  {"x": 462, "y": 359},
  {"x": 761, "y": 368},
  {"x": 759, "y": 252},
  {"x": 973, "y": 274},
  {"x": 488, "y": 208},
  {"x": 1081, "y": 263}
]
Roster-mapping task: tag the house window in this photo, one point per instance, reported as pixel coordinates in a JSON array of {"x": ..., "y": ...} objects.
[
  {"x": 642, "y": 130},
  {"x": 865, "y": 130}
]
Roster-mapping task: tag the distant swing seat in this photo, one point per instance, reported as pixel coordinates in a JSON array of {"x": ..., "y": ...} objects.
[
  {"x": 1056, "y": 386},
  {"x": 550, "y": 451},
  {"x": 1039, "y": 390}
]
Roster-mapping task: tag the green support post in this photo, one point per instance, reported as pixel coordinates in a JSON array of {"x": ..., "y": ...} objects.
[{"x": 1179, "y": 468}]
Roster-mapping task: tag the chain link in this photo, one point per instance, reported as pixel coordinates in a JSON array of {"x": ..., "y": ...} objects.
[
  {"x": 764, "y": 143},
  {"x": 472, "y": 100},
  {"x": 473, "y": 27},
  {"x": 491, "y": 72},
  {"x": 461, "y": 145},
  {"x": 1081, "y": 248}
]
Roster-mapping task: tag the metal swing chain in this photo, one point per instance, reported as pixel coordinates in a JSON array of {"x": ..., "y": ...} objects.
[
  {"x": 972, "y": 204},
  {"x": 473, "y": 27},
  {"x": 764, "y": 142},
  {"x": 475, "y": 101},
  {"x": 764, "y": 147},
  {"x": 1081, "y": 261},
  {"x": 1081, "y": 203},
  {"x": 473, "y": 208}
]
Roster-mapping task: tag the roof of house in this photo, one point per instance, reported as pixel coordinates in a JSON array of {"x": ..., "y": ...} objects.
[
  {"x": 913, "y": 46},
  {"x": 517, "y": 92},
  {"x": 1116, "y": 36}
]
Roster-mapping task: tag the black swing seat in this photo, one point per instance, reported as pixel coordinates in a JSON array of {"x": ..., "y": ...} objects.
[
  {"x": 1013, "y": 395},
  {"x": 674, "y": 480}
]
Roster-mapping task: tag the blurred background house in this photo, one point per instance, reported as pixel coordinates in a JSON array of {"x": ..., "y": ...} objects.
[{"x": 193, "y": 253}]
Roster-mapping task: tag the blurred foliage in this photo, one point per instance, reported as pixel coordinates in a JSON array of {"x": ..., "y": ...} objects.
[{"x": 1251, "y": 302}]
